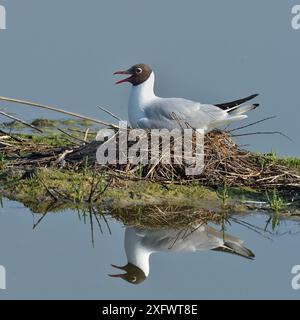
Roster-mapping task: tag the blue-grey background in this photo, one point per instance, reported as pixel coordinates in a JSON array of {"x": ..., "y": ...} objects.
[{"x": 63, "y": 53}]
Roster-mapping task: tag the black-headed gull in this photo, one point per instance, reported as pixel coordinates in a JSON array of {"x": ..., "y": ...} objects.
[
  {"x": 148, "y": 111},
  {"x": 141, "y": 243}
]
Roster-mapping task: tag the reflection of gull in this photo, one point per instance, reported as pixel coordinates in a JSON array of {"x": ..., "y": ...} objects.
[{"x": 140, "y": 243}]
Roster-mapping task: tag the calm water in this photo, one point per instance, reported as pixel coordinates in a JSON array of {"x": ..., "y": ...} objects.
[{"x": 57, "y": 260}]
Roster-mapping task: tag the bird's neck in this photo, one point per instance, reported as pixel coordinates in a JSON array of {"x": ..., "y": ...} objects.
[
  {"x": 140, "y": 258},
  {"x": 143, "y": 92},
  {"x": 136, "y": 253}
]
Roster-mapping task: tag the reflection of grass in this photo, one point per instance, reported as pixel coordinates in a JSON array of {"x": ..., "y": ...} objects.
[
  {"x": 223, "y": 224},
  {"x": 223, "y": 195}
]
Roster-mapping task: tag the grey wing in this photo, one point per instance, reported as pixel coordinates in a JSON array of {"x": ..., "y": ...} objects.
[
  {"x": 180, "y": 240},
  {"x": 170, "y": 113},
  {"x": 199, "y": 238}
]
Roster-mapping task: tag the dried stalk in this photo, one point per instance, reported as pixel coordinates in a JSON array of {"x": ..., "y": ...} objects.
[
  {"x": 21, "y": 121},
  {"x": 76, "y": 115}
]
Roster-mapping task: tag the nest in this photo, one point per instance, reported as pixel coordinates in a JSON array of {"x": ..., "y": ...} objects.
[{"x": 224, "y": 161}]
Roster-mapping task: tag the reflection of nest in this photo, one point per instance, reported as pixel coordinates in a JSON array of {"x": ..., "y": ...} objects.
[
  {"x": 224, "y": 160},
  {"x": 158, "y": 217}
]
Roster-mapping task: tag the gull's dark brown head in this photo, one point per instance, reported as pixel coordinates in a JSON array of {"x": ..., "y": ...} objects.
[
  {"x": 139, "y": 73},
  {"x": 132, "y": 274}
]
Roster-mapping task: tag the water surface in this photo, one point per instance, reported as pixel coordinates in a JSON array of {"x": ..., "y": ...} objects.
[{"x": 57, "y": 259}]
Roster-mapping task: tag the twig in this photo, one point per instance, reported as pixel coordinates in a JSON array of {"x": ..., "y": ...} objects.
[
  {"x": 252, "y": 124},
  {"x": 21, "y": 121},
  {"x": 110, "y": 113},
  {"x": 263, "y": 132},
  {"x": 86, "y": 134},
  {"x": 92, "y": 226},
  {"x": 4, "y": 137},
  {"x": 48, "y": 190},
  {"x": 98, "y": 221},
  {"x": 11, "y": 136},
  {"x": 256, "y": 229},
  {"x": 105, "y": 188},
  {"x": 80, "y": 131},
  {"x": 106, "y": 222},
  {"x": 93, "y": 188},
  {"x": 5, "y": 144},
  {"x": 37, "y": 105},
  {"x": 39, "y": 220},
  {"x": 69, "y": 135},
  {"x": 62, "y": 157}
]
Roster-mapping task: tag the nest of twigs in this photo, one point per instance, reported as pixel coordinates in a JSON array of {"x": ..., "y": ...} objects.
[{"x": 224, "y": 161}]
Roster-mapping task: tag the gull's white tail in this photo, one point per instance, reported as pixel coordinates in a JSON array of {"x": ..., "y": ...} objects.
[
  {"x": 231, "y": 244},
  {"x": 237, "y": 249},
  {"x": 235, "y": 113},
  {"x": 238, "y": 110}
]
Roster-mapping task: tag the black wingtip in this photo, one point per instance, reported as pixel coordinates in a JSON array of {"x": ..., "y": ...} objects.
[
  {"x": 256, "y": 105},
  {"x": 229, "y": 105}
]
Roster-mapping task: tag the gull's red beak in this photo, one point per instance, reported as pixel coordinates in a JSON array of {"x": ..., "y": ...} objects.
[
  {"x": 126, "y": 79},
  {"x": 121, "y": 275},
  {"x": 117, "y": 275}
]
